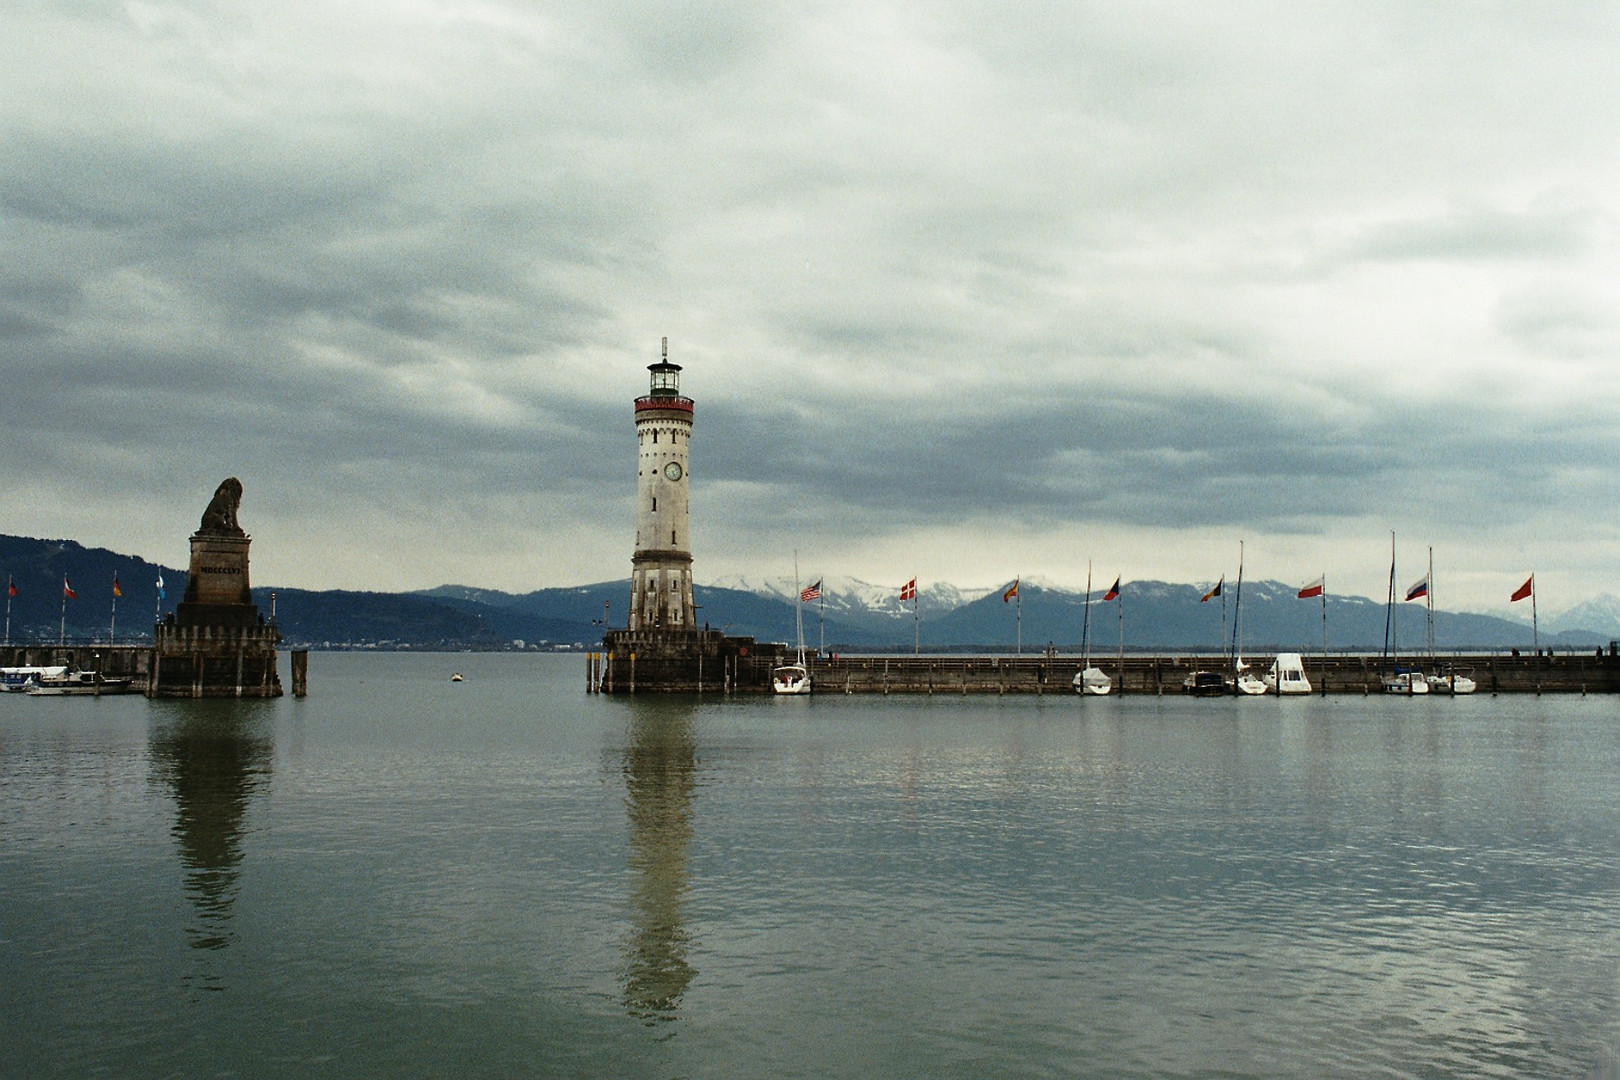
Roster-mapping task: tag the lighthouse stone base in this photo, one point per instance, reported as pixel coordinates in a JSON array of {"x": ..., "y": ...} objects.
[{"x": 687, "y": 661}]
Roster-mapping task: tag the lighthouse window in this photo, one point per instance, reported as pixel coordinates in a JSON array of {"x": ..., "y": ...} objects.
[
  {"x": 672, "y": 536},
  {"x": 655, "y": 504}
]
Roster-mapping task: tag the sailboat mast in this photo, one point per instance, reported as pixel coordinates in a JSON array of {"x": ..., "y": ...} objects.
[
  {"x": 1237, "y": 614},
  {"x": 798, "y": 607},
  {"x": 1389, "y": 608},
  {"x": 1085, "y": 624}
]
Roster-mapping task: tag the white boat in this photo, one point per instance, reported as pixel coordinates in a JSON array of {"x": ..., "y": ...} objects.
[
  {"x": 1089, "y": 680},
  {"x": 794, "y": 678},
  {"x": 1244, "y": 681},
  {"x": 1287, "y": 675},
  {"x": 790, "y": 679},
  {"x": 1452, "y": 683},
  {"x": 82, "y": 683},
  {"x": 17, "y": 679},
  {"x": 1093, "y": 681},
  {"x": 1406, "y": 682},
  {"x": 1247, "y": 682}
]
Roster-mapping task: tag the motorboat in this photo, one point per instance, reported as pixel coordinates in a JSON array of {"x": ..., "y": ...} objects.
[
  {"x": 1206, "y": 684},
  {"x": 17, "y": 679},
  {"x": 1287, "y": 675},
  {"x": 83, "y": 683}
]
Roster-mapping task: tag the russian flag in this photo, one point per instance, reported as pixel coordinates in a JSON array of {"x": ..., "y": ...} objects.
[{"x": 1419, "y": 589}]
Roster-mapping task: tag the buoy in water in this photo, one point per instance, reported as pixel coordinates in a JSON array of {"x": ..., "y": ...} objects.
[{"x": 456, "y": 677}]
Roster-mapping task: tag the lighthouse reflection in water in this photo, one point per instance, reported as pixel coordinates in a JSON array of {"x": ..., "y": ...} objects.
[{"x": 660, "y": 780}]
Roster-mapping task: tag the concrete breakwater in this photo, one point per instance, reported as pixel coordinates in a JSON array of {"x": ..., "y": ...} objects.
[{"x": 1049, "y": 674}]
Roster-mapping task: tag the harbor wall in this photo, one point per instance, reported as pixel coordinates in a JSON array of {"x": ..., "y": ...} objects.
[
  {"x": 113, "y": 661},
  {"x": 1047, "y": 674}
]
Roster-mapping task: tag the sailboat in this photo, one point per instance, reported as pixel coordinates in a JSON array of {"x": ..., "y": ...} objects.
[
  {"x": 794, "y": 678},
  {"x": 1089, "y": 679},
  {"x": 1452, "y": 682},
  {"x": 1244, "y": 681},
  {"x": 1396, "y": 679}
]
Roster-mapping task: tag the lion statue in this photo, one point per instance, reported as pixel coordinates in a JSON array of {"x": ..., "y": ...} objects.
[{"x": 220, "y": 517}]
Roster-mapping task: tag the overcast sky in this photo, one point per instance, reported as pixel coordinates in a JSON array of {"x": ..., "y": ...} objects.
[{"x": 961, "y": 290}]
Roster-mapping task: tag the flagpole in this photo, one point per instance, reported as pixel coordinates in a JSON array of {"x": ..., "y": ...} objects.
[
  {"x": 61, "y": 631},
  {"x": 1018, "y": 608},
  {"x": 112, "y": 627},
  {"x": 1119, "y": 598},
  {"x": 10, "y": 584},
  {"x": 916, "y": 620},
  {"x": 821, "y": 621},
  {"x": 1324, "y": 633},
  {"x": 1535, "y": 632}
]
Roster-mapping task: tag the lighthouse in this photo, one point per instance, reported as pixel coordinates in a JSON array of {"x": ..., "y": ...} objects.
[{"x": 661, "y": 569}]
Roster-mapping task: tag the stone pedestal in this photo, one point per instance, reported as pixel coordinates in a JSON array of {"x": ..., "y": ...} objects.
[
  {"x": 217, "y": 588},
  {"x": 216, "y": 644}
]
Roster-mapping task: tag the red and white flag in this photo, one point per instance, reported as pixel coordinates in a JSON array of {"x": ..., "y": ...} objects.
[
  {"x": 67, "y": 590},
  {"x": 908, "y": 591},
  {"x": 1527, "y": 589},
  {"x": 810, "y": 592},
  {"x": 1314, "y": 588}
]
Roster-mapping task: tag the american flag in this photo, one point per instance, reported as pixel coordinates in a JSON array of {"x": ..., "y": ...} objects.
[{"x": 809, "y": 593}]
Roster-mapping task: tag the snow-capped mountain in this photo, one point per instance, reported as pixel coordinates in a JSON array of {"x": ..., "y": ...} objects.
[
  {"x": 846, "y": 597},
  {"x": 1601, "y": 615}
]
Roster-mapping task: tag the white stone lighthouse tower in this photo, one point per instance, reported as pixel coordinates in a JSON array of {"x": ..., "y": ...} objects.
[{"x": 661, "y": 574}]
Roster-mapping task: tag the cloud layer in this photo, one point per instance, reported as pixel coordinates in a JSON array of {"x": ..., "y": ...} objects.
[{"x": 960, "y": 291}]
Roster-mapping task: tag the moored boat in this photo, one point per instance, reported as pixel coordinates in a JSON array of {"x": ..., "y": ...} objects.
[
  {"x": 794, "y": 678},
  {"x": 1406, "y": 682},
  {"x": 1287, "y": 675},
  {"x": 1206, "y": 684},
  {"x": 1452, "y": 683},
  {"x": 1093, "y": 681},
  {"x": 17, "y": 679},
  {"x": 790, "y": 679},
  {"x": 1089, "y": 680},
  {"x": 83, "y": 683}
]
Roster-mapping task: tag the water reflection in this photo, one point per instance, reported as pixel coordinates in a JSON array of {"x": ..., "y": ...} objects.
[
  {"x": 660, "y": 777},
  {"x": 212, "y": 756}
]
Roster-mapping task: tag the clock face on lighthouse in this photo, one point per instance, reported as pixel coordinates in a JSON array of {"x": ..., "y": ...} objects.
[{"x": 673, "y": 470}]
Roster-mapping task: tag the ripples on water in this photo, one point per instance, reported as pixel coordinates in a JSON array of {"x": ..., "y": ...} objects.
[{"x": 400, "y": 876}]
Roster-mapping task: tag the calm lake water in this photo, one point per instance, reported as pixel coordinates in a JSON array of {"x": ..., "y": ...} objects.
[{"x": 404, "y": 877}]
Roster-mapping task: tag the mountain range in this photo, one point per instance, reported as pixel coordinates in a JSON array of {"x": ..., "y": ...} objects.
[{"x": 850, "y": 615}]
